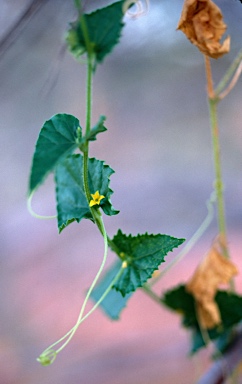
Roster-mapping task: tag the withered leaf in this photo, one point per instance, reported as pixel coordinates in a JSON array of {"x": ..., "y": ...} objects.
[
  {"x": 202, "y": 22},
  {"x": 214, "y": 270}
]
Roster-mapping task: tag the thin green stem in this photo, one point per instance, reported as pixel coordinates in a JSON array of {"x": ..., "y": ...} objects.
[
  {"x": 34, "y": 214},
  {"x": 89, "y": 93},
  {"x": 117, "y": 276},
  {"x": 86, "y": 36},
  {"x": 74, "y": 329},
  {"x": 90, "y": 59},
  {"x": 190, "y": 244},
  {"x": 231, "y": 70},
  {"x": 88, "y": 126},
  {"x": 151, "y": 294},
  {"x": 217, "y": 166},
  {"x": 78, "y": 5},
  {"x": 85, "y": 175},
  {"x": 49, "y": 355},
  {"x": 218, "y": 183}
]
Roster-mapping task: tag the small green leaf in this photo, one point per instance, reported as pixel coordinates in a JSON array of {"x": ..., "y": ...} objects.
[
  {"x": 92, "y": 135},
  {"x": 143, "y": 255},
  {"x": 98, "y": 128},
  {"x": 230, "y": 307},
  {"x": 57, "y": 138},
  {"x": 70, "y": 196},
  {"x": 103, "y": 29},
  {"x": 114, "y": 302}
]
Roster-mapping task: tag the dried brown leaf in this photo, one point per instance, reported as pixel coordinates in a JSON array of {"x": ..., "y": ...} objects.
[
  {"x": 202, "y": 22},
  {"x": 214, "y": 270},
  {"x": 208, "y": 314}
]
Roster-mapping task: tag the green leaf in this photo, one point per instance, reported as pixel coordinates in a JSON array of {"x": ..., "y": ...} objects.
[
  {"x": 70, "y": 196},
  {"x": 103, "y": 29},
  {"x": 98, "y": 128},
  {"x": 182, "y": 302},
  {"x": 230, "y": 307},
  {"x": 114, "y": 302},
  {"x": 92, "y": 135},
  {"x": 143, "y": 255},
  {"x": 57, "y": 138}
]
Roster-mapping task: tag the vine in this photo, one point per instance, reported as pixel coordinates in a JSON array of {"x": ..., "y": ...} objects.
[{"x": 83, "y": 191}]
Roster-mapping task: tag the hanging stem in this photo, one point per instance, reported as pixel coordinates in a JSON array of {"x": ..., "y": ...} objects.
[
  {"x": 218, "y": 184},
  {"x": 217, "y": 165},
  {"x": 80, "y": 317},
  {"x": 49, "y": 355}
]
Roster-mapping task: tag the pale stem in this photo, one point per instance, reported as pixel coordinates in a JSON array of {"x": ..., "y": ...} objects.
[
  {"x": 223, "y": 83},
  {"x": 193, "y": 240},
  {"x": 218, "y": 183},
  {"x": 233, "y": 82}
]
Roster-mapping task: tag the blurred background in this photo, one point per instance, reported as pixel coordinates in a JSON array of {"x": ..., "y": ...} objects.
[{"x": 152, "y": 90}]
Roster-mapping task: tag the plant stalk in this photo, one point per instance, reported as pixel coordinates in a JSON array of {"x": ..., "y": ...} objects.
[
  {"x": 152, "y": 295},
  {"x": 88, "y": 105},
  {"x": 218, "y": 183},
  {"x": 88, "y": 127}
]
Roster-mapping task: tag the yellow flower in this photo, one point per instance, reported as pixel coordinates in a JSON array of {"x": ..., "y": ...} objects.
[{"x": 96, "y": 198}]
